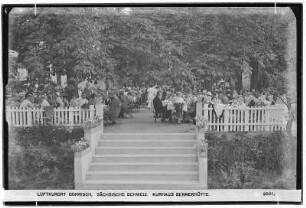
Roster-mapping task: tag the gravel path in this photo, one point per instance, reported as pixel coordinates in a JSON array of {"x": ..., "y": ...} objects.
[{"x": 143, "y": 122}]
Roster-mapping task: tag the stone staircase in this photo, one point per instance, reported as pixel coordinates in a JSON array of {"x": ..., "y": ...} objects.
[{"x": 144, "y": 161}]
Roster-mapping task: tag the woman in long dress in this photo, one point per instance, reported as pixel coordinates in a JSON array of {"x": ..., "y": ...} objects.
[{"x": 152, "y": 92}]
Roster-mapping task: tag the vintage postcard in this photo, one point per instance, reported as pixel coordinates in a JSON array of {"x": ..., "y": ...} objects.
[{"x": 152, "y": 103}]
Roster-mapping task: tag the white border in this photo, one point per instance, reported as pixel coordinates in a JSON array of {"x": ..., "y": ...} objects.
[{"x": 7, "y": 193}]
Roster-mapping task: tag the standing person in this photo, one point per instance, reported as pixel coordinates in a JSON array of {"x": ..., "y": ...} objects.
[
  {"x": 157, "y": 104},
  {"x": 152, "y": 91}
]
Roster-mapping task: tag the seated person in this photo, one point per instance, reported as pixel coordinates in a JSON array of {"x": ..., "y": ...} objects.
[
  {"x": 28, "y": 102},
  {"x": 44, "y": 102},
  {"x": 112, "y": 112},
  {"x": 92, "y": 100},
  {"x": 73, "y": 102},
  {"x": 82, "y": 101},
  {"x": 178, "y": 114},
  {"x": 240, "y": 101},
  {"x": 191, "y": 111},
  {"x": 178, "y": 98},
  {"x": 59, "y": 101},
  {"x": 125, "y": 105}
]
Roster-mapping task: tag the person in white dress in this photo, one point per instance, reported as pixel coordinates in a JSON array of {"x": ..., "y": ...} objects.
[{"x": 152, "y": 92}]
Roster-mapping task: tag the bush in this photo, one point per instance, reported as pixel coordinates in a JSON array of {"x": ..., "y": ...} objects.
[
  {"x": 43, "y": 157},
  {"x": 250, "y": 160}
]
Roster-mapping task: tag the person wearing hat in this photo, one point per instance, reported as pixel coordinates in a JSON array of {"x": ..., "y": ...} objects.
[{"x": 207, "y": 98}]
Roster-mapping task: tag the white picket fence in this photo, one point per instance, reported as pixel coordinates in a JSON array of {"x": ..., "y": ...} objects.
[
  {"x": 16, "y": 116},
  {"x": 267, "y": 118}
]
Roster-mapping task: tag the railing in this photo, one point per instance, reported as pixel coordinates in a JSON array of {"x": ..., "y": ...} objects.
[
  {"x": 16, "y": 116},
  {"x": 267, "y": 118}
]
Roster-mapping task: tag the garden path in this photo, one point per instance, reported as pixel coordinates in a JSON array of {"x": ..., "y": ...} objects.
[{"x": 143, "y": 122}]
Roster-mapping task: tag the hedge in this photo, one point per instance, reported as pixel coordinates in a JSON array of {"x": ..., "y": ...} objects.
[{"x": 250, "y": 160}]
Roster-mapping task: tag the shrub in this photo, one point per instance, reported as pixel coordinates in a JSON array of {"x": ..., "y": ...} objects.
[
  {"x": 250, "y": 160},
  {"x": 238, "y": 176},
  {"x": 45, "y": 157}
]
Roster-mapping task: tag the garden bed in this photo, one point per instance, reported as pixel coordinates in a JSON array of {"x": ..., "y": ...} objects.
[
  {"x": 42, "y": 157},
  {"x": 251, "y": 161}
]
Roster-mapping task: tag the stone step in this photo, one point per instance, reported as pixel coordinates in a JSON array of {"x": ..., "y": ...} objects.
[
  {"x": 141, "y": 185},
  {"x": 143, "y": 175},
  {"x": 146, "y": 143},
  {"x": 149, "y": 158},
  {"x": 150, "y": 136},
  {"x": 178, "y": 166},
  {"x": 145, "y": 150}
]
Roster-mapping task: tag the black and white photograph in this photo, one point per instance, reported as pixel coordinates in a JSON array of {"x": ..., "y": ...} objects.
[{"x": 152, "y": 102}]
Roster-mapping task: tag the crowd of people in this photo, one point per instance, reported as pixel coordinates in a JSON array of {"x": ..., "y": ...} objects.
[
  {"x": 118, "y": 103},
  {"x": 165, "y": 102}
]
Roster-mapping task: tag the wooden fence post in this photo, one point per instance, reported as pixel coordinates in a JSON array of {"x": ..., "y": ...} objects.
[
  {"x": 267, "y": 118},
  {"x": 91, "y": 112},
  {"x": 99, "y": 110},
  {"x": 226, "y": 117},
  {"x": 199, "y": 107},
  {"x": 70, "y": 114},
  {"x": 246, "y": 121}
]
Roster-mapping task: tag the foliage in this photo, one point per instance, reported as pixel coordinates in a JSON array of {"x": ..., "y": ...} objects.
[
  {"x": 176, "y": 46},
  {"x": 45, "y": 156},
  {"x": 250, "y": 160},
  {"x": 239, "y": 176},
  {"x": 80, "y": 145},
  {"x": 201, "y": 147},
  {"x": 93, "y": 123}
]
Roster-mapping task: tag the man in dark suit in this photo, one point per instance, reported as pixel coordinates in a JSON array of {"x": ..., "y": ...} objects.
[
  {"x": 157, "y": 103},
  {"x": 158, "y": 106}
]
